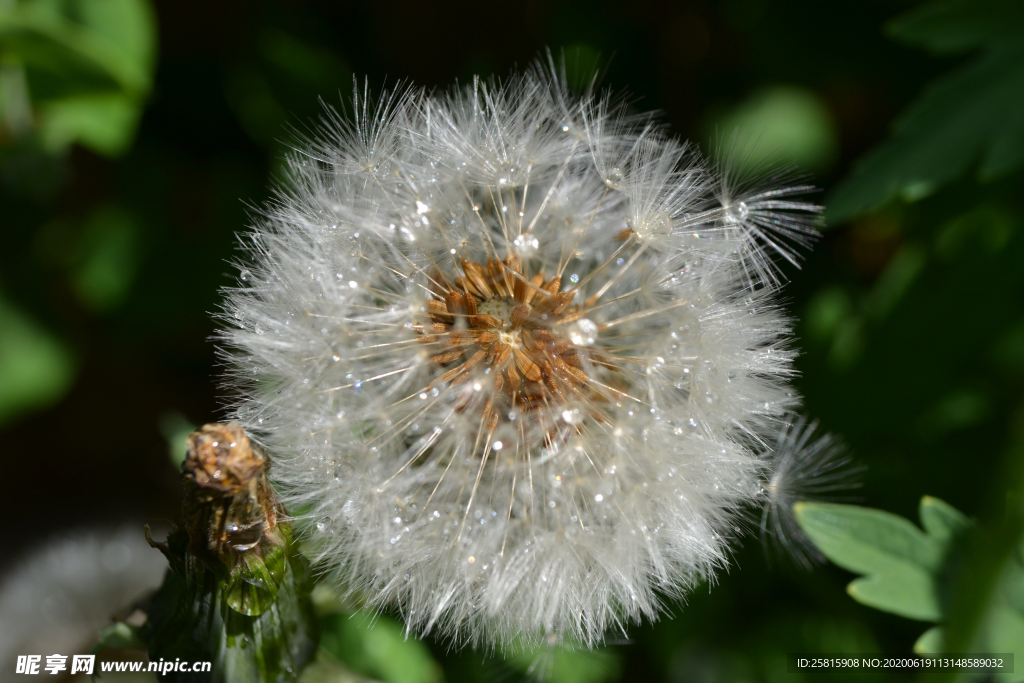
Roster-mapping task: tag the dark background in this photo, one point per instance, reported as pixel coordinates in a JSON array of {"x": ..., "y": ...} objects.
[{"x": 919, "y": 375}]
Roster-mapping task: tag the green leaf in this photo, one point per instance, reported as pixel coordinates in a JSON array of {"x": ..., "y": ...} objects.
[
  {"x": 378, "y": 647},
  {"x": 36, "y": 369},
  {"x": 116, "y": 38},
  {"x": 1003, "y": 627},
  {"x": 957, "y": 25},
  {"x": 569, "y": 665},
  {"x": 931, "y": 642},
  {"x": 89, "y": 67},
  {"x": 910, "y": 592},
  {"x": 128, "y": 24},
  {"x": 252, "y": 586},
  {"x": 190, "y": 616},
  {"x": 864, "y": 539},
  {"x": 941, "y": 520},
  {"x": 968, "y": 116},
  {"x": 1003, "y": 630},
  {"x": 326, "y": 670},
  {"x": 119, "y": 636},
  {"x": 900, "y": 561},
  {"x": 104, "y": 122}
]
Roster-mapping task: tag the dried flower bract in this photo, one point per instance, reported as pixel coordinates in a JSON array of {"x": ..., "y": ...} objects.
[
  {"x": 515, "y": 352},
  {"x": 229, "y": 504}
]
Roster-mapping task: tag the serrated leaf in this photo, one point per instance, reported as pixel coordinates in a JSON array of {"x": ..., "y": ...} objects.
[
  {"x": 968, "y": 116},
  {"x": 942, "y": 521},
  {"x": 898, "y": 559}
]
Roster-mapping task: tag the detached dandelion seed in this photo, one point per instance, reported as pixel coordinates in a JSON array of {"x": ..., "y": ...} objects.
[
  {"x": 507, "y": 349},
  {"x": 803, "y": 465}
]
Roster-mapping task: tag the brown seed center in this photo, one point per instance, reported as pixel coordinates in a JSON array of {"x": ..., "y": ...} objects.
[{"x": 497, "y": 325}]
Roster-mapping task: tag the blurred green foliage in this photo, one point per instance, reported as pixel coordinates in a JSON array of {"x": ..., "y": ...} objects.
[
  {"x": 957, "y": 253},
  {"x": 71, "y": 71},
  {"x": 377, "y": 647},
  {"x": 966, "y": 118},
  {"x": 787, "y": 124},
  {"x": 124, "y": 174},
  {"x": 35, "y": 368},
  {"x": 76, "y": 70}
]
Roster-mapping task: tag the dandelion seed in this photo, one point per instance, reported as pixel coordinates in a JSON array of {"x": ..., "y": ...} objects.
[
  {"x": 601, "y": 417},
  {"x": 802, "y": 466}
]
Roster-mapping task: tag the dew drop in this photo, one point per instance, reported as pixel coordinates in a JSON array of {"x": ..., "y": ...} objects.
[
  {"x": 657, "y": 226},
  {"x": 573, "y": 416},
  {"x": 526, "y": 243},
  {"x": 738, "y": 212},
  {"x": 582, "y": 332},
  {"x": 615, "y": 176}
]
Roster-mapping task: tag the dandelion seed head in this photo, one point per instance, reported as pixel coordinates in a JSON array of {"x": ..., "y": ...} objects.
[{"x": 553, "y": 368}]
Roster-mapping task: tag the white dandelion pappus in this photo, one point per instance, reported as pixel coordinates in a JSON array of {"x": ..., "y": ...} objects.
[
  {"x": 762, "y": 204},
  {"x": 507, "y": 354},
  {"x": 803, "y": 465}
]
